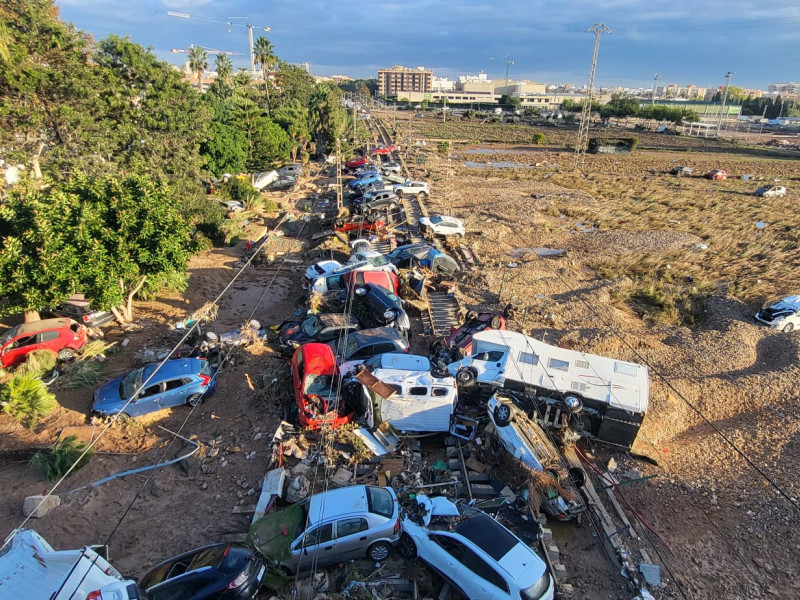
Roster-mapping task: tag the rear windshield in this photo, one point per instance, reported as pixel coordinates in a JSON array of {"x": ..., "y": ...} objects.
[{"x": 380, "y": 501}]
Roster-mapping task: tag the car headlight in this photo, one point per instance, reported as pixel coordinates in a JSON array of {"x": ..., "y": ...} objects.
[
  {"x": 389, "y": 314},
  {"x": 538, "y": 589}
]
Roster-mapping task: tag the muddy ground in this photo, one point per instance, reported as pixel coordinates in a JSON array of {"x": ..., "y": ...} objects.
[{"x": 723, "y": 531}]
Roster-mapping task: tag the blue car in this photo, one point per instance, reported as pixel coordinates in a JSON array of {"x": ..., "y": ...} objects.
[
  {"x": 365, "y": 180},
  {"x": 179, "y": 381}
]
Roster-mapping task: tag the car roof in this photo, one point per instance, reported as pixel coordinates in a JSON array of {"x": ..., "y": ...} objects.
[
  {"x": 404, "y": 376},
  {"x": 408, "y": 362},
  {"x": 170, "y": 368},
  {"x": 43, "y": 325},
  {"x": 792, "y": 302},
  {"x": 336, "y": 503},
  {"x": 318, "y": 358}
]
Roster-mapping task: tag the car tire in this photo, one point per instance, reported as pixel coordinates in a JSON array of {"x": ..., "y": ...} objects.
[
  {"x": 788, "y": 327},
  {"x": 124, "y": 419},
  {"x": 502, "y": 414},
  {"x": 407, "y": 547},
  {"x": 577, "y": 476},
  {"x": 379, "y": 551},
  {"x": 423, "y": 194},
  {"x": 466, "y": 377},
  {"x": 399, "y": 193},
  {"x": 194, "y": 400},
  {"x": 371, "y": 217},
  {"x": 66, "y": 354},
  {"x": 572, "y": 404},
  {"x": 472, "y": 315},
  {"x": 496, "y": 322}
]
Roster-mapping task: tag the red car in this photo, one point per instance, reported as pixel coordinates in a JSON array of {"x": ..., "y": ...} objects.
[
  {"x": 385, "y": 279},
  {"x": 358, "y": 226},
  {"x": 316, "y": 387},
  {"x": 716, "y": 174},
  {"x": 383, "y": 149},
  {"x": 460, "y": 339},
  {"x": 355, "y": 163},
  {"x": 63, "y": 337}
]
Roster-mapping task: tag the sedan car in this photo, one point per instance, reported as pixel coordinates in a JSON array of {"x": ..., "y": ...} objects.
[
  {"x": 369, "y": 342},
  {"x": 316, "y": 388},
  {"x": 781, "y": 315},
  {"x": 443, "y": 225},
  {"x": 315, "y": 328},
  {"x": 771, "y": 191},
  {"x": 716, "y": 174},
  {"x": 178, "y": 381},
  {"x": 474, "y": 552},
  {"x": 216, "y": 572},
  {"x": 359, "y": 521}
]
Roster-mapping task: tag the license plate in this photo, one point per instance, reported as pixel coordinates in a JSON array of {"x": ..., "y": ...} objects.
[{"x": 261, "y": 572}]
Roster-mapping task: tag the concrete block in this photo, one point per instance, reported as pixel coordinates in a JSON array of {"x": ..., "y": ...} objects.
[
  {"x": 547, "y": 534},
  {"x": 342, "y": 476},
  {"x": 31, "y": 507},
  {"x": 552, "y": 552},
  {"x": 560, "y": 572}
]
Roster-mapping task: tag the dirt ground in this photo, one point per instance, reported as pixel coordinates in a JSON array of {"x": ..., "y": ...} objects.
[{"x": 723, "y": 531}]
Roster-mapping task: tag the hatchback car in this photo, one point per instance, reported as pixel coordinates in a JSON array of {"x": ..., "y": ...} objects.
[
  {"x": 781, "y": 315},
  {"x": 62, "y": 337},
  {"x": 315, "y": 328},
  {"x": 771, "y": 191},
  {"x": 78, "y": 308},
  {"x": 375, "y": 259},
  {"x": 375, "y": 306},
  {"x": 359, "y": 521},
  {"x": 216, "y": 572},
  {"x": 320, "y": 269},
  {"x": 443, "y": 225},
  {"x": 716, "y": 174},
  {"x": 178, "y": 381},
  {"x": 474, "y": 552},
  {"x": 369, "y": 342},
  {"x": 316, "y": 388}
]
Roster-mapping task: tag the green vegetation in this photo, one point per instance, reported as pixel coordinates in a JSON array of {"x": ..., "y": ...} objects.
[
  {"x": 26, "y": 398},
  {"x": 54, "y": 462},
  {"x": 620, "y": 107},
  {"x": 538, "y": 138}
]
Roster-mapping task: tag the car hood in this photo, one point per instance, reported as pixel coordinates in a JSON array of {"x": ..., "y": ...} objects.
[
  {"x": 523, "y": 565},
  {"x": 107, "y": 397}
]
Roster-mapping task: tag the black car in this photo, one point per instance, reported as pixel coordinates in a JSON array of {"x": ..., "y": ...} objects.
[
  {"x": 219, "y": 572},
  {"x": 403, "y": 257},
  {"x": 369, "y": 342},
  {"x": 315, "y": 328},
  {"x": 78, "y": 308},
  {"x": 377, "y": 307}
]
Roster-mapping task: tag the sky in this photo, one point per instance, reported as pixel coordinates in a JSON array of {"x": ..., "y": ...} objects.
[{"x": 684, "y": 41}]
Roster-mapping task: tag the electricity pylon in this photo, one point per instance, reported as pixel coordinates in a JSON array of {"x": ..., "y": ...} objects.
[{"x": 583, "y": 131}]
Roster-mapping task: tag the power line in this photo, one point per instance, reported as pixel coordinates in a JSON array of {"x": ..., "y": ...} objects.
[{"x": 583, "y": 131}]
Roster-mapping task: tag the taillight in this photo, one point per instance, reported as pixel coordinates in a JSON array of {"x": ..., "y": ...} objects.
[
  {"x": 240, "y": 579},
  {"x": 397, "y": 526},
  {"x": 85, "y": 318},
  {"x": 204, "y": 379},
  {"x": 95, "y": 595}
]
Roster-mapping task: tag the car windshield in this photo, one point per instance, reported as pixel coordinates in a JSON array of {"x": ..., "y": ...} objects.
[
  {"x": 8, "y": 335},
  {"x": 380, "y": 501},
  {"x": 130, "y": 383},
  {"x": 436, "y": 220},
  {"x": 378, "y": 261},
  {"x": 350, "y": 346},
  {"x": 318, "y": 385},
  {"x": 311, "y": 326}
]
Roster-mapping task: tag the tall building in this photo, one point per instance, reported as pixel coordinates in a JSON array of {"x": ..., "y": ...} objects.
[{"x": 398, "y": 79}]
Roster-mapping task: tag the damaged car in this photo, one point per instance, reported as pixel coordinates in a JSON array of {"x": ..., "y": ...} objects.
[
  {"x": 316, "y": 388},
  {"x": 314, "y": 328},
  {"x": 781, "y": 315}
]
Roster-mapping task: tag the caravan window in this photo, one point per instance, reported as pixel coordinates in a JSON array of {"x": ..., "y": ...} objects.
[
  {"x": 438, "y": 392},
  {"x": 418, "y": 391},
  {"x": 624, "y": 368},
  {"x": 561, "y": 365},
  {"x": 528, "y": 358},
  {"x": 493, "y": 356}
]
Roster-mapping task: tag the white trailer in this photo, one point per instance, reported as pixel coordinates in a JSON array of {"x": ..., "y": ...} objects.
[
  {"x": 31, "y": 569},
  {"x": 608, "y": 397}
]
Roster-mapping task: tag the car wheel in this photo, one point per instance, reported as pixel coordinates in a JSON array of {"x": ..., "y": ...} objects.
[
  {"x": 338, "y": 222},
  {"x": 124, "y": 419},
  {"x": 423, "y": 195},
  {"x": 577, "y": 476},
  {"x": 407, "y": 547},
  {"x": 572, "y": 404},
  {"x": 788, "y": 327},
  {"x": 472, "y": 315},
  {"x": 379, "y": 551},
  {"x": 399, "y": 193},
  {"x": 194, "y": 400},
  {"x": 372, "y": 217},
  {"x": 466, "y": 377},
  {"x": 66, "y": 354},
  {"x": 502, "y": 414},
  {"x": 496, "y": 322}
]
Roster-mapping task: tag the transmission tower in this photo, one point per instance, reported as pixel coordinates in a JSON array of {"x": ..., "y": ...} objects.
[{"x": 583, "y": 132}]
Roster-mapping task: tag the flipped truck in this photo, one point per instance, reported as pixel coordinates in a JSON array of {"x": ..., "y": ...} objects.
[
  {"x": 31, "y": 569},
  {"x": 600, "y": 397}
]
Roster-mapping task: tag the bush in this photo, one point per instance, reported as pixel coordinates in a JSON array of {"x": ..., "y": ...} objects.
[
  {"x": 444, "y": 148},
  {"x": 26, "y": 398},
  {"x": 538, "y": 138},
  {"x": 39, "y": 363},
  {"x": 55, "y": 461},
  {"x": 170, "y": 282},
  {"x": 238, "y": 188}
]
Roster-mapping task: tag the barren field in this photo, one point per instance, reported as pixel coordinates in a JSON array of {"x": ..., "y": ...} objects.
[{"x": 658, "y": 270}]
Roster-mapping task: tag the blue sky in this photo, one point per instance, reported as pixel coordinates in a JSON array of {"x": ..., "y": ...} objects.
[{"x": 684, "y": 41}]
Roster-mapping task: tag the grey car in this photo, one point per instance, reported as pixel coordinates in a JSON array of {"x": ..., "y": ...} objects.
[{"x": 360, "y": 521}]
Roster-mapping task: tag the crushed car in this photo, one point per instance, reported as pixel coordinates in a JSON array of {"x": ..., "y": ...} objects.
[
  {"x": 317, "y": 389},
  {"x": 780, "y": 315},
  {"x": 314, "y": 328}
]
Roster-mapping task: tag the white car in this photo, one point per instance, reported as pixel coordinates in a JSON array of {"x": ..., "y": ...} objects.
[
  {"x": 412, "y": 188},
  {"x": 405, "y": 362},
  {"x": 391, "y": 167},
  {"x": 474, "y": 552},
  {"x": 771, "y": 191},
  {"x": 320, "y": 269},
  {"x": 443, "y": 225},
  {"x": 781, "y": 315},
  {"x": 375, "y": 259}
]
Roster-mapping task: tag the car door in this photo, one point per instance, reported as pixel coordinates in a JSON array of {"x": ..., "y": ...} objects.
[
  {"x": 149, "y": 398},
  {"x": 317, "y": 547},
  {"x": 15, "y": 351},
  {"x": 176, "y": 390},
  {"x": 490, "y": 366},
  {"x": 352, "y": 538},
  {"x": 445, "y": 553}
]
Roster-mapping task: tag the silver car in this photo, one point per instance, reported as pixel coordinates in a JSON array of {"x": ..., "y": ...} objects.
[{"x": 345, "y": 524}]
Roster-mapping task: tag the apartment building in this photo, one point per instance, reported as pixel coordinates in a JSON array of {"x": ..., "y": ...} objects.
[{"x": 397, "y": 80}]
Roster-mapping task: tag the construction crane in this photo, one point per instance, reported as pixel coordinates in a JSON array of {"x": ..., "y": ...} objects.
[
  {"x": 207, "y": 51},
  {"x": 583, "y": 132},
  {"x": 229, "y": 23}
]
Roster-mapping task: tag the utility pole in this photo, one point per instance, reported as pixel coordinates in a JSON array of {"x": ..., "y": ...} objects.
[
  {"x": 509, "y": 62},
  {"x": 728, "y": 76},
  {"x": 655, "y": 88},
  {"x": 583, "y": 132}
]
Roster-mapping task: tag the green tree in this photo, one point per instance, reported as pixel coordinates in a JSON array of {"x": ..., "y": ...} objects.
[
  {"x": 510, "y": 101},
  {"x": 265, "y": 56},
  {"x": 198, "y": 63},
  {"x": 105, "y": 237},
  {"x": 225, "y": 149},
  {"x": 224, "y": 68},
  {"x": 294, "y": 121},
  {"x": 272, "y": 145},
  {"x": 293, "y": 85},
  {"x": 327, "y": 116}
]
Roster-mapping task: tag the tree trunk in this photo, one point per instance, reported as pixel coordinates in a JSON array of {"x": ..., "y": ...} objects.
[
  {"x": 35, "y": 166},
  {"x": 32, "y": 315},
  {"x": 124, "y": 312}
]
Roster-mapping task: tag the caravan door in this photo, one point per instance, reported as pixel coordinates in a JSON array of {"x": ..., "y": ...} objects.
[{"x": 490, "y": 365}]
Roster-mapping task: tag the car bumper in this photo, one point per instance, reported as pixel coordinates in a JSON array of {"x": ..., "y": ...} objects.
[{"x": 776, "y": 324}]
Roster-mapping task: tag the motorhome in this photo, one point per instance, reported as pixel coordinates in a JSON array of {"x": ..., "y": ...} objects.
[{"x": 604, "y": 398}]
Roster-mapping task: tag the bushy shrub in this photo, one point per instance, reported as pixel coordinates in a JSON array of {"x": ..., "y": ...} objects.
[
  {"x": 538, "y": 138},
  {"x": 26, "y": 398},
  {"x": 55, "y": 461},
  {"x": 39, "y": 363}
]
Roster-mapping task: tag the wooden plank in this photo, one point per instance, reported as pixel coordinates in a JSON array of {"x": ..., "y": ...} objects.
[
  {"x": 475, "y": 465},
  {"x": 374, "y": 384}
]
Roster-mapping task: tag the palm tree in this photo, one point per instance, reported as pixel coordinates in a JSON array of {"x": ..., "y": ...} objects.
[
  {"x": 224, "y": 67},
  {"x": 198, "y": 63},
  {"x": 265, "y": 56}
]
